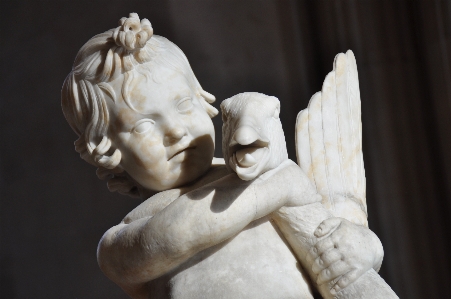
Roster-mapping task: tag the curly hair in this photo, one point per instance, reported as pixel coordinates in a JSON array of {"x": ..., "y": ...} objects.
[{"x": 104, "y": 58}]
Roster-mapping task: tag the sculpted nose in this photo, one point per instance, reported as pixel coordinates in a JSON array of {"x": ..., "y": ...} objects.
[
  {"x": 244, "y": 135},
  {"x": 174, "y": 134}
]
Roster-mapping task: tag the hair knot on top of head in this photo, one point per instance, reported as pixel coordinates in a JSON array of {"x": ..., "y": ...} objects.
[{"x": 132, "y": 34}]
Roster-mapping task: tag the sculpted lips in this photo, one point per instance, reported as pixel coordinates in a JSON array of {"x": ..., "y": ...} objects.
[
  {"x": 249, "y": 155},
  {"x": 181, "y": 151}
]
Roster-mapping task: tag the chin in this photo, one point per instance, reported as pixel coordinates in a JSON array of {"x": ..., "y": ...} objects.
[{"x": 192, "y": 169}]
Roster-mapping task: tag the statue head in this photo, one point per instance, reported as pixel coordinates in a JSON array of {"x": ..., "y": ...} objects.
[
  {"x": 253, "y": 139},
  {"x": 141, "y": 115}
]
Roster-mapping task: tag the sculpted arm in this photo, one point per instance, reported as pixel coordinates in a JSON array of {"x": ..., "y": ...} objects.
[
  {"x": 135, "y": 253},
  {"x": 338, "y": 254}
]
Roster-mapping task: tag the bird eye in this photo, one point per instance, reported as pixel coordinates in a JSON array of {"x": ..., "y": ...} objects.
[
  {"x": 143, "y": 126},
  {"x": 185, "y": 105}
]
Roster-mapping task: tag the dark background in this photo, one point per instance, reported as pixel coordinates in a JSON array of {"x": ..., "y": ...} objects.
[{"x": 54, "y": 209}]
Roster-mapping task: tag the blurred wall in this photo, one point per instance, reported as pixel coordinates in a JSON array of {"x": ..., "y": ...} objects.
[{"x": 54, "y": 209}]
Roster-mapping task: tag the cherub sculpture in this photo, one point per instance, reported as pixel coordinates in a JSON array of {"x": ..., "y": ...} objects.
[{"x": 144, "y": 120}]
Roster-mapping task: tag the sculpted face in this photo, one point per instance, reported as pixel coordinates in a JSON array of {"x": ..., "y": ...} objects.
[
  {"x": 164, "y": 134},
  {"x": 253, "y": 139}
]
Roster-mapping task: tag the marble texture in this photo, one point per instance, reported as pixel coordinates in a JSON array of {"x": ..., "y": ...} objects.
[
  {"x": 329, "y": 142},
  {"x": 207, "y": 229},
  {"x": 253, "y": 144}
]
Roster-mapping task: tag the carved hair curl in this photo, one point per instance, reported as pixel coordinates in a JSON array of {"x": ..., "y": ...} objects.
[{"x": 102, "y": 59}]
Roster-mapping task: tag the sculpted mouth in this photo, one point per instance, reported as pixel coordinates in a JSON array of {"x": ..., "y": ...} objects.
[
  {"x": 249, "y": 155},
  {"x": 181, "y": 151}
]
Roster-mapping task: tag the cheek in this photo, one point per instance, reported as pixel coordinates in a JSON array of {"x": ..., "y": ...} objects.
[
  {"x": 149, "y": 154},
  {"x": 201, "y": 124},
  {"x": 143, "y": 158}
]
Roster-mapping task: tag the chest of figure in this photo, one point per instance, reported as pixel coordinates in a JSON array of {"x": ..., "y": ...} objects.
[{"x": 254, "y": 264}]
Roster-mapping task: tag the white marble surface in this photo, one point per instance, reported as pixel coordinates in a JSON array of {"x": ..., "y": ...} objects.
[
  {"x": 252, "y": 128},
  {"x": 144, "y": 120},
  {"x": 329, "y": 142}
]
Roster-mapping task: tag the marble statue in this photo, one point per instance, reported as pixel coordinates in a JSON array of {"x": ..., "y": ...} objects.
[{"x": 253, "y": 226}]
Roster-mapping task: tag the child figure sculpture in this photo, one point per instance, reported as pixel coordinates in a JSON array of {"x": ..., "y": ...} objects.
[{"x": 143, "y": 119}]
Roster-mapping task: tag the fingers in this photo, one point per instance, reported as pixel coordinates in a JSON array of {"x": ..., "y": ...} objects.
[
  {"x": 328, "y": 242},
  {"x": 345, "y": 280},
  {"x": 327, "y": 226},
  {"x": 319, "y": 248},
  {"x": 325, "y": 260},
  {"x": 323, "y": 245},
  {"x": 333, "y": 271}
]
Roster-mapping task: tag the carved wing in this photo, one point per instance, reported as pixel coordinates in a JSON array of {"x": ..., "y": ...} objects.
[{"x": 329, "y": 141}]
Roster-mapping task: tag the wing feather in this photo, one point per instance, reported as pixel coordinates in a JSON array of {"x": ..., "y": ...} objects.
[
  {"x": 303, "y": 144},
  {"x": 317, "y": 149},
  {"x": 329, "y": 138},
  {"x": 354, "y": 90},
  {"x": 344, "y": 140}
]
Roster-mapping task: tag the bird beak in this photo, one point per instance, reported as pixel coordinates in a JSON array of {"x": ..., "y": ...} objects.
[
  {"x": 246, "y": 135},
  {"x": 247, "y": 146}
]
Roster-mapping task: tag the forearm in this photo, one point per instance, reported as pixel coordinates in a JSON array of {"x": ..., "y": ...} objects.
[
  {"x": 298, "y": 225},
  {"x": 216, "y": 212},
  {"x": 161, "y": 200},
  {"x": 149, "y": 247},
  {"x": 349, "y": 250},
  {"x": 211, "y": 214}
]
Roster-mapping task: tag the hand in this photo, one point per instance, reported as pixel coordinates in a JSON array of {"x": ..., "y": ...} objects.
[{"x": 345, "y": 253}]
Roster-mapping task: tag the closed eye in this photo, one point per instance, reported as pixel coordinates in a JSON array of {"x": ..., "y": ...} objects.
[
  {"x": 185, "y": 105},
  {"x": 143, "y": 126}
]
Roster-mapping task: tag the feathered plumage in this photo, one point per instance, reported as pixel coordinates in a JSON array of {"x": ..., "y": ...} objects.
[{"x": 329, "y": 140}]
